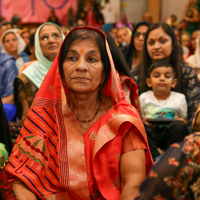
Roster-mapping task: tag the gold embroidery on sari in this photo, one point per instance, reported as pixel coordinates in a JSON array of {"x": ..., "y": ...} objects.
[
  {"x": 51, "y": 87},
  {"x": 116, "y": 183},
  {"x": 93, "y": 136}
]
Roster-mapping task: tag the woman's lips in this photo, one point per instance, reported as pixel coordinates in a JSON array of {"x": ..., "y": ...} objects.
[
  {"x": 52, "y": 47},
  {"x": 81, "y": 78},
  {"x": 157, "y": 53},
  {"x": 140, "y": 45}
]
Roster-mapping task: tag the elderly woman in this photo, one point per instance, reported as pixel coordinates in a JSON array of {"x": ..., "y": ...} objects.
[
  {"x": 48, "y": 39},
  {"x": 13, "y": 44},
  {"x": 81, "y": 137}
]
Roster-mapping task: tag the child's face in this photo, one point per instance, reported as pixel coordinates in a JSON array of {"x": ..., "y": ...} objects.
[{"x": 161, "y": 80}]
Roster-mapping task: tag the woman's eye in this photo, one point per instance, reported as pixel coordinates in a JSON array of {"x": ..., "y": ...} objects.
[
  {"x": 151, "y": 42},
  {"x": 45, "y": 38},
  {"x": 162, "y": 41},
  {"x": 72, "y": 58},
  {"x": 56, "y": 35},
  {"x": 92, "y": 60}
]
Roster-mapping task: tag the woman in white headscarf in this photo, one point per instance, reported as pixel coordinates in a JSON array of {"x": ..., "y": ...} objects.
[
  {"x": 48, "y": 39},
  {"x": 13, "y": 44}
]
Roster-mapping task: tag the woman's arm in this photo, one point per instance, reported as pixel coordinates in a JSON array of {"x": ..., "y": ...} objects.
[
  {"x": 22, "y": 192},
  {"x": 8, "y": 99},
  {"x": 26, "y": 109},
  {"x": 133, "y": 172}
]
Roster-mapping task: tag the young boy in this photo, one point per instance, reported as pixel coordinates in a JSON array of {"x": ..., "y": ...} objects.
[{"x": 159, "y": 102}]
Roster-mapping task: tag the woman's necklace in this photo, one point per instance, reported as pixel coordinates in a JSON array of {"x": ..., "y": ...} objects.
[{"x": 89, "y": 120}]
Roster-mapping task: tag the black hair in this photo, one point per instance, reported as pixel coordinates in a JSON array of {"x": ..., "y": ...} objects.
[
  {"x": 118, "y": 58},
  {"x": 160, "y": 63},
  {"x": 130, "y": 49},
  {"x": 32, "y": 39},
  {"x": 31, "y": 44},
  {"x": 15, "y": 19},
  {"x": 173, "y": 59},
  {"x": 85, "y": 34}
]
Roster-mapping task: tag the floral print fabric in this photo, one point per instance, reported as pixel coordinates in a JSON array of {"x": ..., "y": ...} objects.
[{"x": 177, "y": 174}]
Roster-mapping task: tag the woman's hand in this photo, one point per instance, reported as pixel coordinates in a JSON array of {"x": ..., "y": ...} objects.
[
  {"x": 181, "y": 119},
  {"x": 133, "y": 172},
  {"x": 22, "y": 192}
]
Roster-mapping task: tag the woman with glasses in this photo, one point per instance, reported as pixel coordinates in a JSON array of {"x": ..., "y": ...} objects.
[
  {"x": 48, "y": 39},
  {"x": 133, "y": 52}
]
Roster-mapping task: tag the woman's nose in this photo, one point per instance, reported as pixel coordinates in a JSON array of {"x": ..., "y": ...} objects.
[
  {"x": 81, "y": 65},
  {"x": 157, "y": 45},
  {"x": 141, "y": 37},
  {"x": 51, "y": 39}
]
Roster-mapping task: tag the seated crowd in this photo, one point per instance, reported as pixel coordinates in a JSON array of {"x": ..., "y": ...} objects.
[{"x": 141, "y": 80}]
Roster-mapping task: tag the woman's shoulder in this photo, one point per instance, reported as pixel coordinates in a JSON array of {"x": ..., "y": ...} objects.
[
  {"x": 187, "y": 70},
  {"x": 185, "y": 66},
  {"x": 23, "y": 78}
]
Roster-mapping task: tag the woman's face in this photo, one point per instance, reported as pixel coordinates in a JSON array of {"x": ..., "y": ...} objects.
[
  {"x": 159, "y": 44},
  {"x": 123, "y": 36},
  {"x": 83, "y": 68},
  {"x": 123, "y": 17},
  {"x": 50, "y": 41},
  {"x": 11, "y": 43},
  {"x": 26, "y": 37},
  {"x": 185, "y": 40},
  {"x": 138, "y": 39}
]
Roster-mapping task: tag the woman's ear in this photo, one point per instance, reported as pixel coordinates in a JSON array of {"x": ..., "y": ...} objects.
[
  {"x": 148, "y": 82},
  {"x": 174, "y": 82}
]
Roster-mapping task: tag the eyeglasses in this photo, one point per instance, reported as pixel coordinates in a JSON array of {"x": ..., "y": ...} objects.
[
  {"x": 46, "y": 37},
  {"x": 137, "y": 34}
]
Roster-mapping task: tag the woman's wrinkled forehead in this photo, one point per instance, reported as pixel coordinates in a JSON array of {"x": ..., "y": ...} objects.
[
  {"x": 48, "y": 27},
  {"x": 88, "y": 35},
  {"x": 79, "y": 40}
]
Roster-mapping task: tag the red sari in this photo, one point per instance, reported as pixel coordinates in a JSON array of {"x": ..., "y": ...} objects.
[{"x": 56, "y": 160}]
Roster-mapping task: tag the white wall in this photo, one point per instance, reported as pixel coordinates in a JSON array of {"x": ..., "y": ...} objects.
[
  {"x": 115, "y": 5},
  {"x": 173, "y": 7},
  {"x": 134, "y": 9}
]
